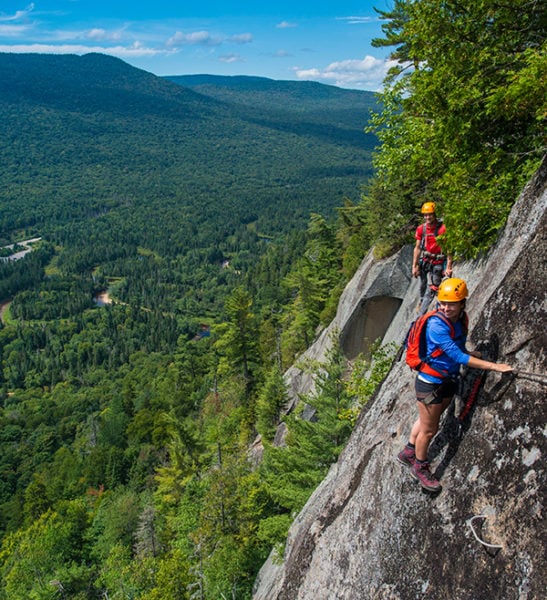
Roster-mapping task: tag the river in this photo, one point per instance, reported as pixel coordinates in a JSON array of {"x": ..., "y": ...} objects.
[{"x": 102, "y": 299}]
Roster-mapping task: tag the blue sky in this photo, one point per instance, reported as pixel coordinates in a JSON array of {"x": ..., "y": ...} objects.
[{"x": 320, "y": 41}]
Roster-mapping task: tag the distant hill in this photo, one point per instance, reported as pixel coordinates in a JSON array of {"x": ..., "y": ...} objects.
[
  {"x": 81, "y": 134},
  {"x": 293, "y": 96},
  {"x": 302, "y": 107},
  {"x": 106, "y": 160}
]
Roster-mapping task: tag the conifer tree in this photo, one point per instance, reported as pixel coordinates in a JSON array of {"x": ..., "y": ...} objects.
[
  {"x": 238, "y": 336},
  {"x": 313, "y": 442},
  {"x": 463, "y": 116},
  {"x": 271, "y": 399}
]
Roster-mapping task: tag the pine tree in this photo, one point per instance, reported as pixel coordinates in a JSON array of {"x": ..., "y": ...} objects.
[
  {"x": 463, "y": 116},
  {"x": 238, "y": 336},
  {"x": 312, "y": 444},
  {"x": 272, "y": 397}
]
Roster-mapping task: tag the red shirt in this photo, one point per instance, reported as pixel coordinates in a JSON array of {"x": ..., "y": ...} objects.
[{"x": 430, "y": 239}]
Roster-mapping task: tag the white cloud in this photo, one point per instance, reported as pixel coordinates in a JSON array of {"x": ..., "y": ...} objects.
[
  {"x": 365, "y": 74},
  {"x": 357, "y": 20},
  {"x": 241, "y": 38},
  {"x": 231, "y": 58},
  {"x": 196, "y": 38},
  {"x": 13, "y": 30},
  {"x": 204, "y": 38},
  {"x": 132, "y": 51},
  {"x": 286, "y": 25},
  {"x": 19, "y": 15},
  {"x": 103, "y": 34}
]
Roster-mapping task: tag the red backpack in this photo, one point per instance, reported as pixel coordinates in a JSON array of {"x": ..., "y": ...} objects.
[{"x": 416, "y": 344}]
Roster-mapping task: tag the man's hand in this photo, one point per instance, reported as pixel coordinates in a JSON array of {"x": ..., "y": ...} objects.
[{"x": 415, "y": 271}]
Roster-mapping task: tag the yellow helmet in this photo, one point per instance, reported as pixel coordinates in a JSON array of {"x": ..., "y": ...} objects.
[
  {"x": 452, "y": 290},
  {"x": 428, "y": 208}
]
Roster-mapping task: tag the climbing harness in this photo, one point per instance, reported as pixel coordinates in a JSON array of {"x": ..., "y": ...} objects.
[{"x": 439, "y": 257}]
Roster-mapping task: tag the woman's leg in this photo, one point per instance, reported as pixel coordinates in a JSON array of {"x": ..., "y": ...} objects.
[{"x": 426, "y": 426}]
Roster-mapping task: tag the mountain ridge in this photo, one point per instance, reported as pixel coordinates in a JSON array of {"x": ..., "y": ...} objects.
[{"x": 96, "y": 111}]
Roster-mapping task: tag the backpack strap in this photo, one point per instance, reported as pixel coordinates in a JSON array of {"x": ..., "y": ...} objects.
[
  {"x": 425, "y": 367},
  {"x": 422, "y": 241}
]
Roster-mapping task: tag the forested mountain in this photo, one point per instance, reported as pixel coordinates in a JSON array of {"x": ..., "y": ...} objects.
[
  {"x": 323, "y": 108},
  {"x": 119, "y": 137},
  {"x": 190, "y": 210},
  {"x": 93, "y": 149},
  {"x": 221, "y": 217}
]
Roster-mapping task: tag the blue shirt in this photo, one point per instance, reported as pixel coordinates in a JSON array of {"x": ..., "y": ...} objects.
[{"x": 438, "y": 336}]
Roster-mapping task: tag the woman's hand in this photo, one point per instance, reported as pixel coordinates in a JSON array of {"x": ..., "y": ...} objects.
[{"x": 478, "y": 363}]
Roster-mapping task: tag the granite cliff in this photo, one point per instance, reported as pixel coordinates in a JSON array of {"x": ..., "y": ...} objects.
[{"x": 369, "y": 531}]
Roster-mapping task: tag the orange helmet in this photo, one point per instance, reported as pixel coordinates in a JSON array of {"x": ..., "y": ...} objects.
[
  {"x": 452, "y": 290},
  {"x": 428, "y": 208}
]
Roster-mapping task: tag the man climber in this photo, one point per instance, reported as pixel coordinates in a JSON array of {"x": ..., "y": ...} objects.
[{"x": 428, "y": 261}]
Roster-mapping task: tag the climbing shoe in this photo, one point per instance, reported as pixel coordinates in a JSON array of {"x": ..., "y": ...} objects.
[
  {"x": 422, "y": 474},
  {"x": 407, "y": 457}
]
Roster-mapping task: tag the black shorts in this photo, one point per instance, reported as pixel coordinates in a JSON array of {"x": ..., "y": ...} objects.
[{"x": 435, "y": 393}]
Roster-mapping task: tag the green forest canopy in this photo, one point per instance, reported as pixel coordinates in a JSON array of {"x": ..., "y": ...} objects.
[
  {"x": 124, "y": 441},
  {"x": 463, "y": 119}
]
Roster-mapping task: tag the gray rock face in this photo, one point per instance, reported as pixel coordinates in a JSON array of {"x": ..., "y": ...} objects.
[
  {"x": 369, "y": 531},
  {"x": 365, "y": 312}
]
